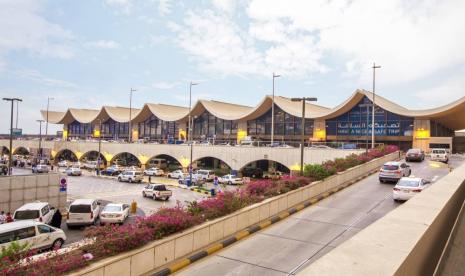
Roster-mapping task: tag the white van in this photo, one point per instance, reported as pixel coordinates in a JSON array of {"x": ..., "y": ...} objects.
[
  {"x": 83, "y": 212},
  {"x": 441, "y": 155},
  {"x": 206, "y": 175},
  {"x": 38, "y": 211},
  {"x": 35, "y": 234},
  {"x": 158, "y": 163}
]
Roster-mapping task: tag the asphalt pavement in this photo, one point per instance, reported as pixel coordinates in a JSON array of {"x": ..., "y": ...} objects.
[{"x": 294, "y": 243}]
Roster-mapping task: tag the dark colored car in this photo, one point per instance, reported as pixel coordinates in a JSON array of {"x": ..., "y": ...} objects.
[
  {"x": 415, "y": 155},
  {"x": 111, "y": 171},
  {"x": 252, "y": 172}
]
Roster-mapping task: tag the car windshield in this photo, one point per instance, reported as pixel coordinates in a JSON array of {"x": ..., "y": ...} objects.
[
  {"x": 27, "y": 214},
  {"x": 439, "y": 151},
  {"x": 408, "y": 183},
  {"x": 414, "y": 151},
  {"x": 390, "y": 167},
  {"x": 81, "y": 208},
  {"x": 112, "y": 208}
]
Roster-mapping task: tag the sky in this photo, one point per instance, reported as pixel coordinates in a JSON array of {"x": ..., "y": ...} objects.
[{"x": 89, "y": 53}]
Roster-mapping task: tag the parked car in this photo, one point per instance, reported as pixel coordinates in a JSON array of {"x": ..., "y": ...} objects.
[
  {"x": 112, "y": 170},
  {"x": 38, "y": 211},
  {"x": 415, "y": 155},
  {"x": 63, "y": 163},
  {"x": 407, "y": 187},
  {"x": 252, "y": 172},
  {"x": 130, "y": 176},
  {"x": 73, "y": 171},
  {"x": 393, "y": 171},
  {"x": 175, "y": 174},
  {"x": 157, "y": 191},
  {"x": 230, "y": 180},
  {"x": 40, "y": 168},
  {"x": 83, "y": 212},
  {"x": 197, "y": 180},
  {"x": 114, "y": 213},
  {"x": 441, "y": 155},
  {"x": 272, "y": 175},
  {"x": 206, "y": 175},
  {"x": 154, "y": 172},
  {"x": 35, "y": 235}
]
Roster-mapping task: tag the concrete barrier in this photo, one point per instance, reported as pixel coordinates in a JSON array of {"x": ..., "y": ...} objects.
[
  {"x": 407, "y": 241},
  {"x": 160, "y": 253},
  {"x": 17, "y": 190}
]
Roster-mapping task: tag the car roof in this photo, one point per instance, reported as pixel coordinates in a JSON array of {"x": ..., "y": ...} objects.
[
  {"x": 18, "y": 224},
  {"x": 83, "y": 201},
  {"x": 411, "y": 178},
  {"x": 33, "y": 206},
  {"x": 114, "y": 204},
  {"x": 393, "y": 163}
]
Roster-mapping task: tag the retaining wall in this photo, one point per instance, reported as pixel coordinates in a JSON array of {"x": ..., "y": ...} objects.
[
  {"x": 162, "y": 252},
  {"x": 407, "y": 241},
  {"x": 17, "y": 190}
]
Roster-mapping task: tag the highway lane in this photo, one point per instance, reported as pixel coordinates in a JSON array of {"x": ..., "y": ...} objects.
[{"x": 294, "y": 243}]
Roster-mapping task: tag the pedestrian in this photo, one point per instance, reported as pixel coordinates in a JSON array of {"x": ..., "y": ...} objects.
[
  {"x": 8, "y": 218},
  {"x": 56, "y": 219},
  {"x": 2, "y": 217},
  {"x": 150, "y": 179}
]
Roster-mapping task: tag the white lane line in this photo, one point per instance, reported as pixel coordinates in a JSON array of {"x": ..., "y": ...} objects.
[{"x": 435, "y": 178}]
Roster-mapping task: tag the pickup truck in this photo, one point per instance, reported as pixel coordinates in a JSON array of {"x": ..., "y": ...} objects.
[{"x": 157, "y": 191}]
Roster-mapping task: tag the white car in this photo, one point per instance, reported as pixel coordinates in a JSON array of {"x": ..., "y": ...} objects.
[
  {"x": 83, "y": 212},
  {"x": 157, "y": 191},
  {"x": 440, "y": 155},
  {"x": 207, "y": 175},
  {"x": 230, "y": 180},
  {"x": 38, "y": 211},
  {"x": 73, "y": 171},
  {"x": 407, "y": 187},
  {"x": 175, "y": 174},
  {"x": 154, "y": 172},
  {"x": 130, "y": 176},
  {"x": 114, "y": 213},
  {"x": 63, "y": 163},
  {"x": 393, "y": 171},
  {"x": 41, "y": 168},
  {"x": 35, "y": 234}
]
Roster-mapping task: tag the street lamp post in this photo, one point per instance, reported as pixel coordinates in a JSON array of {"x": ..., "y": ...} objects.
[
  {"x": 12, "y": 100},
  {"x": 366, "y": 127},
  {"x": 190, "y": 123},
  {"x": 302, "y": 130},
  {"x": 130, "y": 114},
  {"x": 39, "y": 151},
  {"x": 99, "y": 146},
  {"x": 374, "y": 107},
  {"x": 46, "y": 119},
  {"x": 272, "y": 111}
]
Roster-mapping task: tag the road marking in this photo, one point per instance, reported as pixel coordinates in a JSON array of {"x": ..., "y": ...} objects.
[{"x": 434, "y": 178}]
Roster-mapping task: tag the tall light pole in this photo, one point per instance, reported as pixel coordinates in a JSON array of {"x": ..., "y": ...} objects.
[
  {"x": 367, "y": 105},
  {"x": 374, "y": 107},
  {"x": 190, "y": 130},
  {"x": 99, "y": 146},
  {"x": 272, "y": 111},
  {"x": 130, "y": 114},
  {"x": 46, "y": 119},
  {"x": 302, "y": 130},
  {"x": 17, "y": 114},
  {"x": 12, "y": 100},
  {"x": 39, "y": 151}
]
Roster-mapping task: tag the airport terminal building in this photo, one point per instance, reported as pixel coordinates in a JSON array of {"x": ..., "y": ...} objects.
[{"x": 214, "y": 121}]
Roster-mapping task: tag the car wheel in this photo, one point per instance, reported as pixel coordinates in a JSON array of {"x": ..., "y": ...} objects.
[
  {"x": 229, "y": 183},
  {"x": 130, "y": 180},
  {"x": 167, "y": 198},
  {"x": 143, "y": 194},
  {"x": 57, "y": 244},
  {"x": 119, "y": 179}
]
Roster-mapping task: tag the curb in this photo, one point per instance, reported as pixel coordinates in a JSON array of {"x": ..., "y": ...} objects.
[{"x": 252, "y": 229}]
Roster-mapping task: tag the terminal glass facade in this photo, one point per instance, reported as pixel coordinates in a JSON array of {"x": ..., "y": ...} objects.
[
  {"x": 156, "y": 129},
  {"x": 285, "y": 124},
  {"x": 208, "y": 126},
  {"x": 356, "y": 122},
  {"x": 79, "y": 130},
  {"x": 115, "y": 130}
]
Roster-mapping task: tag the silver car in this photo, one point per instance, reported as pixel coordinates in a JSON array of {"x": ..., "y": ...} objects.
[
  {"x": 131, "y": 176},
  {"x": 393, "y": 171}
]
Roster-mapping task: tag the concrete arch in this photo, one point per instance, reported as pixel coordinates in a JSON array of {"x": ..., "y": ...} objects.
[
  {"x": 21, "y": 151},
  {"x": 263, "y": 165},
  {"x": 214, "y": 157},
  {"x": 92, "y": 156},
  {"x": 171, "y": 160},
  {"x": 66, "y": 154},
  {"x": 284, "y": 165},
  {"x": 133, "y": 159},
  {"x": 5, "y": 150}
]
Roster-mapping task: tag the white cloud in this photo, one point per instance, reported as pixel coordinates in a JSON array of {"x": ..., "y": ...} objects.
[
  {"x": 125, "y": 6},
  {"x": 23, "y": 28},
  {"x": 164, "y": 7},
  {"x": 101, "y": 44},
  {"x": 37, "y": 77},
  {"x": 443, "y": 93},
  {"x": 227, "y": 6}
]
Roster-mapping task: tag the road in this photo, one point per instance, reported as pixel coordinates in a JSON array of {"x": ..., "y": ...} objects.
[{"x": 294, "y": 243}]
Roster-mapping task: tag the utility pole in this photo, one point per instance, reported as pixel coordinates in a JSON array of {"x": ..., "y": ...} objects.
[
  {"x": 99, "y": 146},
  {"x": 130, "y": 114},
  {"x": 12, "y": 100},
  {"x": 190, "y": 123},
  {"x": 272, "y": 111},
  {"x": 374, "y": 107},
  {"x": 39, "y": 152},
  {"x": 46, "y": 119},
  {"x": 367, "y": 105},
  {"x": 302, "y": 131},
  {"x": 17, "y": 114}
]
